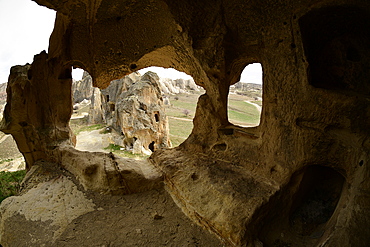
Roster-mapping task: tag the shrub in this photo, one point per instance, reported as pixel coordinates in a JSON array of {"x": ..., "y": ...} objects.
[
  {"x": 10, "y": 183},
  {"x": 186, "y": 112},
  {"x": 113, "y": 147}
]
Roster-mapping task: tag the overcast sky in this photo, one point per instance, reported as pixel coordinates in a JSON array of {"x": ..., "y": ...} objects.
[{"x": 25, "y": 29}]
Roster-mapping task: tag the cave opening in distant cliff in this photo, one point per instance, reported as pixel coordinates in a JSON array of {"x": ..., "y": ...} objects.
[{"x": 245, "y": 97}]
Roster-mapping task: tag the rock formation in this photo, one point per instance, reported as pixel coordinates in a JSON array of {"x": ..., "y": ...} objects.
[
  {"x": 82, "y": 89},
  {"x": 169, "y": 86},
  {"x": 133, "y": 106},
  {"x": 2, "y": 93},
  {"x": 2, "y": 98},
  {"x": 300, "y": 178}
]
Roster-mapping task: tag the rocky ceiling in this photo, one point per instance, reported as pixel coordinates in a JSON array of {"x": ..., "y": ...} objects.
[{"x": 301, "y": 178}]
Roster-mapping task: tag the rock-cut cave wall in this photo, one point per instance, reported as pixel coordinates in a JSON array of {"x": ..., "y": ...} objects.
[{"x": 300, "y": 178}]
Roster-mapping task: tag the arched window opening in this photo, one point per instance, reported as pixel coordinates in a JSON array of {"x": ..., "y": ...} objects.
[
  {"x": 112, "y": 107},
  {"x": 151, "y": 146},
  {"x": 143, "y": 110},
  {"x": 156, "y": 116},
  {"x": 245, "y": 97}
]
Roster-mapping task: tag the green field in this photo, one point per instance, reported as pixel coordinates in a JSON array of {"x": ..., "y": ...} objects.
[{"x": 240, "y": 113}]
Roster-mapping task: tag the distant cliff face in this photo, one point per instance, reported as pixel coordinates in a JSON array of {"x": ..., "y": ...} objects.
[
  {"x": 169, "y": 86},
  {"x": 2, "y": 99},
  {"x": 82, "y": 89},
  {"x": 2, "y": 93}
]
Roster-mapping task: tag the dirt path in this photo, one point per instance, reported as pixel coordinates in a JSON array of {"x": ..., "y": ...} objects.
[
  {"x": 259, "y": 108},
  {"x": 183, "y": 119},
  {"x": 3, "y": 138},
  {"x": 93, "y": 141}
]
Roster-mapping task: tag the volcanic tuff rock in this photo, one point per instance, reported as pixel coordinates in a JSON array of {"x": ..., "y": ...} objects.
[
  {"x": 169, "y": 86},
  {"x": 3, "y": 93},
  {"x": 134, "y": 107},
  {"x": 82, "y": 89},
  {"x": 300, "y": 178}
]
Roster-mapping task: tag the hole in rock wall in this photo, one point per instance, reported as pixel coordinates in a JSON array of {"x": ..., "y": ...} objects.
[
  {"x": 135, "y": 115},
  {"x": 245, "y": 97},
  {"x": 336, "y": 43},
  {"x": 316, "y": 199},
  {"x": 306, "y": 208},
  {"x": 151, "y": 146},
  {"x": 156, "y": 115}
]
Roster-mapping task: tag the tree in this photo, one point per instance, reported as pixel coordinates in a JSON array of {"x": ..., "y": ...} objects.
[{"x": 186, "y": 112}]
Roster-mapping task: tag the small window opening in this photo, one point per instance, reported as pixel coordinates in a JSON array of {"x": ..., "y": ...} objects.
[
  {"x": 156, "y": 116},
  {"x": 151, "y": 146},
  {"x": 245, "y": 97},
  {"x": 107, "y": 97},
  {"x": 112, "y": 107}
]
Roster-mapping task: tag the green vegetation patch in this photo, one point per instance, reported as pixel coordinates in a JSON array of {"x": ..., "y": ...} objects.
[
  {"x": 179, "y": 130},
  {"x": 88, "y": 128},
  {"x": 241, "y": 112},
  {"x": 10, "y": 183},
  {"x": 113, "y": 147},
  {"x": 6, "y": 160},
  {"x": 116, "y": 149}
]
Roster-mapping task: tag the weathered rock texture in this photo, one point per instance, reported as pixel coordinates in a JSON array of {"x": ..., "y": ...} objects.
[
  {"x": 54, "y": 210},
  {"x": 134, "y": 107},
  {"x": 83, "y": 89},
  {"x": 2, "y": 98},
  {"x": 2, "y": 93},
  {"x": 169, "y": 86},
  {"x": 301, "y": 178}
]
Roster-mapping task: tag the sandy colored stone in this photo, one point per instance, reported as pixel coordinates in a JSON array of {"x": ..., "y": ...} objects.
[
  {"x": 56, "y": 202},
  {"x": 300, "y": 178}
]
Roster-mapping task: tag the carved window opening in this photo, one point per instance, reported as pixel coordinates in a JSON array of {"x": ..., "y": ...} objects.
[
  {"x": 151, "y": 146},
  {"x": 336, "y": 44},
  {"x": 156, "y": 116},
  {"x": 245, "y": 97},
  {"x": 112, "y": 107}
]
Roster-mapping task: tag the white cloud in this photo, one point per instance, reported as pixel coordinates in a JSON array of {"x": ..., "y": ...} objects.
[{"x": 25, "y": 28}]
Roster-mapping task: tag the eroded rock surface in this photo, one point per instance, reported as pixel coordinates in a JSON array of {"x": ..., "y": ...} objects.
[
  {"x": 54, "y": 210},
  {"x": 300, "y": 178},
  {"x": 133, "y": 106}
]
